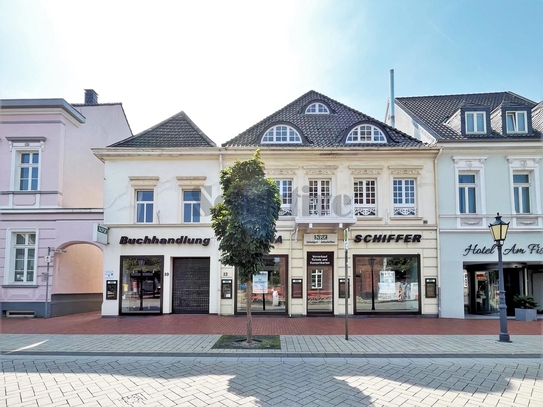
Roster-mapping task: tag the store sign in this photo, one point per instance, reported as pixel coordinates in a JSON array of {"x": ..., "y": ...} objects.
[
  {"x": 388, "y": 238},
  {"x": 170, "y": 240},
  {"x": 99, "y": 233},
  {"x": 320, "y": 239},
  {"x": 533, "y": 248}
]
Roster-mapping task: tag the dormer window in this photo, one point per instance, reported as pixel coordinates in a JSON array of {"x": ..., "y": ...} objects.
[
  {"x": 281, "y": 134},
  {"x": 516, "y": 122},
  {"x": 366, "y": 133},
  {"x": 475, "y": 122},
  {"x": 317, "y": 108}
]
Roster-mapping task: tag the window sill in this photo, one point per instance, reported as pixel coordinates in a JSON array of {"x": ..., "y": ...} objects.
[
  {"x": 19, "y": 286},
  {"x": 407, "y": 217},
  {"x": 29, "y": 192},
  {"x": 369, "y": 218}
]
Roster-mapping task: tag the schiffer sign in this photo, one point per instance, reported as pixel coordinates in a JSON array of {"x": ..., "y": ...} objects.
[
  {"x": 170, "y": 240},
  {"x": 388, "y": 238}
]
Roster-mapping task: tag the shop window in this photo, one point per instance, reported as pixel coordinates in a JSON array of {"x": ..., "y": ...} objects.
[
  {"x": 269, "y": 286},
  {"x": 387, "y": 284}
]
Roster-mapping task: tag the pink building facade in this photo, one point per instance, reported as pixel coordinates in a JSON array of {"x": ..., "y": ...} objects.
[{"x": 51, "y": 201}]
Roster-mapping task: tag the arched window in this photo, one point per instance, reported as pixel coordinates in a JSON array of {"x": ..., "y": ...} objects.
[
  {"x": 317, "y": 108},
  {"x": 366, "y": 133},
  {"x": 281, "y": 134}
]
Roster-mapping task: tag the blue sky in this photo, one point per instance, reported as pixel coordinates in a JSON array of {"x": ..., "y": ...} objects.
[{"x": 229, "y": 64}]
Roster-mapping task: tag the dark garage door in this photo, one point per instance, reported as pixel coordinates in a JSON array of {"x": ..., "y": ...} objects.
[{"x": 191, "y": 285}]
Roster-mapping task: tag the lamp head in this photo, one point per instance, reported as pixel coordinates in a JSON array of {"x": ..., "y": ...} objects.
[
  {"x": 371, "y": 261},
  {"x": 141, "y": 262},
  {"x": 499, "y": 229}
]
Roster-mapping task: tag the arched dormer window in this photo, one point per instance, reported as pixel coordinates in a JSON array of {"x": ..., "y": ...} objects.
[
  {"x": 366, "y": 133},
  {"x": 281, "y": 134},
  {"x": 317, "y": 108}
]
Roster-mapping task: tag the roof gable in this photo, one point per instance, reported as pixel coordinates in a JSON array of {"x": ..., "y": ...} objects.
[
  {"x": 178, "y": 131},
  {"x": 319, "y": 130}
]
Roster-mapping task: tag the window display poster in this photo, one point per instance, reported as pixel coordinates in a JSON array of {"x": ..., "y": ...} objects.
[{"x": 260, "y": 283}]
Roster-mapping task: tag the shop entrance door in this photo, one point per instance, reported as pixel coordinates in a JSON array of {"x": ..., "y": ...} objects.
[
  {"x": 320, "y": 283},
  {"x": 191, "y": 285},
  {"x": 141, "y": 282}
]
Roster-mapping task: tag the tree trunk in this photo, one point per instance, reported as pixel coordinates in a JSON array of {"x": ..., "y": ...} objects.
[{"x": 249, "y": 301}]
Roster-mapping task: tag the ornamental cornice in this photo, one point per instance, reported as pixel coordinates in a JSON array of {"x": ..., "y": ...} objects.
[
  {"x": 320, "y": 170},
  {"x": 279, "y": 171}
]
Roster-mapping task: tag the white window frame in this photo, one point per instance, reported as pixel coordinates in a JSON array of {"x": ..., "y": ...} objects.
[
  {"x": 515, "y": 115},
  {"x": 320, "y": 197},
  {"x": 362, "y": 204},
  {"x": 517, "y": 195},
  {"x": 466, "y": 187},
  {"x": 317, "y": 279},
  {"x": 471, "y": 165},
  {"x": 142, "y": 183},
  {"x": 11, "y": 246},
  {"x": 191, "y": 204},
  {"x": 19, "y": 147},
  {"x": 145, "y": 204},
  {"x": 285, "y": 193},
  {"x": 317, "y": 108},
  {"x": 475, "y": 130},
  {"x": 274, "y": 135},
  {"x": 526, "y": 165},
  {"x": 403, "y": 208},
  {"x": 356, "y": 135}
]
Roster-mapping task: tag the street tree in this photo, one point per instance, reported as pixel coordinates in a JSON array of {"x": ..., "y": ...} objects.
[{"x": 244, "y": 222}]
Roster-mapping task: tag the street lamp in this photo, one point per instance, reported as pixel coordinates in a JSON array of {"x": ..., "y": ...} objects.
[
  {"x": 371, "y": 262},
  {"x": 499, "y": 233}
]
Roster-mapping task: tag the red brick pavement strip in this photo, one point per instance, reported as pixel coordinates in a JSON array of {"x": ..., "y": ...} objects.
[{"x": 92, "y": 323}]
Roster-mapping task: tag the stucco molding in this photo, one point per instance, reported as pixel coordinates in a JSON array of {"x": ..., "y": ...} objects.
[
  {"x": 320, "y": 170},
  {"x": 405, "y": 169}
]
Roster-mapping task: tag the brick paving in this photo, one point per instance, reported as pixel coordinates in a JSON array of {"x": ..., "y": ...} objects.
[{"x": 92, "y": 323}]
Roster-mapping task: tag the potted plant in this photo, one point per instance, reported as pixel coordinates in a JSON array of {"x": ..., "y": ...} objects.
[{"x": 525, "y": 308}]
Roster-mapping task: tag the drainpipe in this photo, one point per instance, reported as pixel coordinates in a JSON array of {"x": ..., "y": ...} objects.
[
  {"x": 392, "y": 100},
  {"x": 294, "y": 233},
  {"x": 220, "y": 264},
  {"x": 437, "y": 236}
]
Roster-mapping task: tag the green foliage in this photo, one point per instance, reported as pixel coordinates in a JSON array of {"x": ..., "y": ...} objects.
[
  {"x": 244, "y": 222},
  {"x": 524, "y": 301}
]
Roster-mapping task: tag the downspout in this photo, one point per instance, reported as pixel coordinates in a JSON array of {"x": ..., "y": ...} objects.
[
  {"x": 294, "y": 233},
  {"x": 219, "y": 260},
  {"x": 392, "y": 100},
  {"x": 437, "y": 236}
]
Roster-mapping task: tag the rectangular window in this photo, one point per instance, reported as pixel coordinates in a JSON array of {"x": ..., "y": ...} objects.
[
  {"x": 24, "y": 251},
  {"x": 316, "y": 279},
  {"x": 191, "y": 206},
  {"x": 28, "y": 171},
  {"x": 144, "y": 206},
  {"x": 285, "y": 192},
  {"x": 319, "y": 197},
  {"x": 467, "y": 193},
  {"x": 521, "y": 192},
  {"x": 516, "y": 122},
  {"x": 404, "y": 197},
  {"x": 365, "y": 196},
  {"x": 475, "y": 122}
]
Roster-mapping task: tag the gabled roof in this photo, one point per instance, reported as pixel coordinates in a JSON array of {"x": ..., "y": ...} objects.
[
  {"x": 177, "y": 131},
  {"x": 319, "y": 130},
  {"x": 434, "y": 111}
]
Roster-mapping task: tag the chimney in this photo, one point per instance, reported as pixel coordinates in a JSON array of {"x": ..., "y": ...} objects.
[
  {"x": 91, "y": 97},
  {"x": 392, "y": 100}
]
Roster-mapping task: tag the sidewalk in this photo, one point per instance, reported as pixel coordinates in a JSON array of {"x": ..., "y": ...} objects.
[{"x": 194, "y": 336}]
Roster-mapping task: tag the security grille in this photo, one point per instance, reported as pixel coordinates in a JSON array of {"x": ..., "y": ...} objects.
[{"x": 191, "y": 286}]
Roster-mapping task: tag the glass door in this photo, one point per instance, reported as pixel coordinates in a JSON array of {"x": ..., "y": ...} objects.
[
  {"x": 141, "y": 285},
  {"x": 320, "y": 287}
]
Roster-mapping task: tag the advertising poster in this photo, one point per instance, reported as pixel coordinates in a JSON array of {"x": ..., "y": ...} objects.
[{"x": 260, "y": 283}]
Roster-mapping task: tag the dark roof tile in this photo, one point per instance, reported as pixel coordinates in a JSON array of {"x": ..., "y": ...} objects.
[
  {"x": 319, "y": 130},
  {"x": 177, "y": 131}
]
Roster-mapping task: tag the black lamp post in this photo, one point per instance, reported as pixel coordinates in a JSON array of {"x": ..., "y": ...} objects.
[
  {"x": 141, "y": 263},
  {"x": 371, "y": 262},
  {"x": 499, "y": 233}
]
